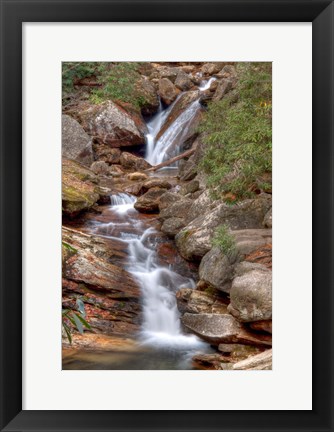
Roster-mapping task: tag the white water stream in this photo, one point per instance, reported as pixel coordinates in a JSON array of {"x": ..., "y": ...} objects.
[
  {"x": 161, "y": 322},
  {"x": 167, "y": 145}
]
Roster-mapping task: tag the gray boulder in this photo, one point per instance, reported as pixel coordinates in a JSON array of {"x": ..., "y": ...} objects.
[
  {"x": 216, "y": 269},
  {"x": 167, "y": 199},
  {"x": 251, "y": 296},
  {"x": 195, "y": 240},
  {"x": 172, "y": 226},
  {"x": 183, "y": 82},
  {"x": 177, "y": 209},
  {"x": 111, "y": 124},
  {"x": 222, "y": 328},
  {"x": 149, "y": 202},
  {"x": 76, "y": 144}
]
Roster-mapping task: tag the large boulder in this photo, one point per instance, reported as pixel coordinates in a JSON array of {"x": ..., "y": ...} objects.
[
  {"x": 111, "y": 124},
  {"x": 195, "y": 240},
  {"x": 130, "y": 161},
  {"x": 251, "y": 296},
  {"x": 167, "y": 199},
  {"x": 177, "y": 209},
  {"x": 167, "y": 91},
  {"x": 80, "y": 190},
  {"x": 216, "y": 269},
  {"x": 183, "y": 81},
  {"x": 222, "y": 328},
  {"x": 172, "y": 226},
  {"x": 149, "y": 202},
  {"x": 262, "y": 361},
  {"x": 100, "y": 168},
  {"x": 76, "y": 144}
]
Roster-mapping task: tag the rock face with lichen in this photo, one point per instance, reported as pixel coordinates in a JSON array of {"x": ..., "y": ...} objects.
[
  {"x": 76, "y": 144},
  {"x": 80, "y": 188},
  {"x": 110, "y": 124}
]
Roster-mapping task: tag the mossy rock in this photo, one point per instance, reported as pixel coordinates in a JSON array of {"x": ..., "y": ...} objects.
[{"x": 79, "y": 188}]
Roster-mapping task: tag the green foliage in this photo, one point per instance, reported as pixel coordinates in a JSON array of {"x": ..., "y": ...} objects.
[
  {"x": 72, "y": 71},
  {"x": 119, "y": 83},
  {"x": 69, "y": 247},
  {"x": 225, "y": 241},
  {"x": 74, "y": 320},
  {"x": 237, "y": 132}
]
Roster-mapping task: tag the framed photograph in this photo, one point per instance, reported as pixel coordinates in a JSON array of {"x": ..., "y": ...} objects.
[{"x": 166, "y": 215}]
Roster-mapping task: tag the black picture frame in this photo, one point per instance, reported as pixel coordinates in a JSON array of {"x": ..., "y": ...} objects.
[{"x": 13, "y": 14}]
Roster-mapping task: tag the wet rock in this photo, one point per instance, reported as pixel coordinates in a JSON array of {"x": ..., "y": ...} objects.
[
  {"x": 193, "y": 301},
  {"x": 222, "y": 328},
  {"x": 167, "y": 91},
  {"x": 167, "y": 199},
  {"x": 107, "y": 154},
  {"x": 183, "y": 82},
  {"x": 76, "y": 144},
  {"x": 264, "y": 326},
  {"x": 190, "y": 187},
  {"x": 177, "y": 209},
  {"x": 172, "y": 226},
  {"x": 100, "y": 168},
  {"x": 130, "y": 161},
  {"x": 268, "y": 219},
  {"x": 216, "y": 269},
  {"x": 149, "y": 202},
  {"x": 80, "y": 190},
  {"x": 111, "y": 124},
  {"x": 137, "y": 176},
  {"x": 110, "y": 295},
  {"x": 262, "y": 361},
  {"x": 251, "y": 296},
  {"x": 157, "y": 182}
]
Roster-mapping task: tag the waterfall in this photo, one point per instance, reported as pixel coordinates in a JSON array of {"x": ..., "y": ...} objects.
[
  {"x": 205, "y": 84},
  {"x": 168, "y": 145},
  {"x": 161, "y": 321}
]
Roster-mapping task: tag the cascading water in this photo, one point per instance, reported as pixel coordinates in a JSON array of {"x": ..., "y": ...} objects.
[
  {"x": 167, "y": 145},
  {"x": 161, "y": 327}
]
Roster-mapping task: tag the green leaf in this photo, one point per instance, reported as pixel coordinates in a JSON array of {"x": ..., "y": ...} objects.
[
  {"x": 84, "y": 322},
  {"x": 68, "y": 333},
  {"x": 81, "y": 307},
  {"x": 78, "y": 323}
]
